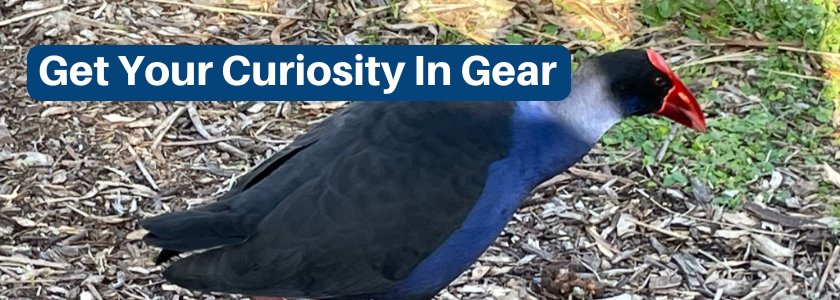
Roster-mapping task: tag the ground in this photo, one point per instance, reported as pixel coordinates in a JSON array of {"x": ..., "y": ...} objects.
[{"x": 744, "y": 211}]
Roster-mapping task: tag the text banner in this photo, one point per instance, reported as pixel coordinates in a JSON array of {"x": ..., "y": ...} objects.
[{"x": 294, "y": 72}]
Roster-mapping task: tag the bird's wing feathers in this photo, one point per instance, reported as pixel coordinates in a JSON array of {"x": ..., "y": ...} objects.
[
  {"x": 231, "y": 219},
  {"x": 273, "y": 163},
  {"x": 355, "y": 212}
]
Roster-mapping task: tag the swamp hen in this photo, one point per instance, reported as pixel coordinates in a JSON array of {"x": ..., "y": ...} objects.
[{"x": 394, "y": 200}]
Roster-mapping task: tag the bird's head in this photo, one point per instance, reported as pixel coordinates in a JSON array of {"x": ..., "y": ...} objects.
[{"x": 643, "y": 83}]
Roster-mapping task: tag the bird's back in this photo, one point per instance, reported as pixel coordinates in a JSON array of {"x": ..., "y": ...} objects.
[{"x": 350, "y": 208}]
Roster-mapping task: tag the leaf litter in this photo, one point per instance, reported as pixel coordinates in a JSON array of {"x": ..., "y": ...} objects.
[{"x": 77, "y": 175}]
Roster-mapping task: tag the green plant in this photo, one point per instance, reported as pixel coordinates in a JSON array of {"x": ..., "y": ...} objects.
[{"x": 778, "y": 20}]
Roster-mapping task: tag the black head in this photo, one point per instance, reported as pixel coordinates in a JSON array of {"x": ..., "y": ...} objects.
[
  {"x": 638, "y": 85},
  {"x": 642, "y": 83}
]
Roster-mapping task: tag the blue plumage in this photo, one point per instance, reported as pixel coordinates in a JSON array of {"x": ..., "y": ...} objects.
[{"x": 541, "y": 148}]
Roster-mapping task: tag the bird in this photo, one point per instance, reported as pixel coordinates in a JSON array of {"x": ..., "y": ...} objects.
[{"x": 393, "y": 200}]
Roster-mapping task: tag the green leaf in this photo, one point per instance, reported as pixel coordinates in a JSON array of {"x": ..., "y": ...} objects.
[
  {"x": 679, "y": 177},
  {"x": 514, "y": 38},
  {"x": 667, "y": 8},
  {"x": 550, "y": 29},
  {"x": 609, "y": 140},
  {"x": 651, "y": 14}
]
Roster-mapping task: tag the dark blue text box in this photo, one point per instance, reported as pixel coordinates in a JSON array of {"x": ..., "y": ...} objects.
[{"x": 511, "y": 73}]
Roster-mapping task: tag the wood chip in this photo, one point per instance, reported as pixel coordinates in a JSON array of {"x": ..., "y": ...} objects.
[
  {"x": 739, "y": 219},
  {"x": 625, "y": 226},
  {"x": 769, "y": 215},
  {"x": 731, "y": 234},
  {"x": 664, "y": 282},
  {"x": 35, "y": 262},
  {"x": 136, "y": 235},
  {"x": 770, "y": 248},
  {"x": 115, "y": 118},
  {"x": 54, "y": 111}
]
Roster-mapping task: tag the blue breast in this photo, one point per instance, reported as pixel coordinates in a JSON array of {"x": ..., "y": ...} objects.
[{"x": 541, "y": 149}]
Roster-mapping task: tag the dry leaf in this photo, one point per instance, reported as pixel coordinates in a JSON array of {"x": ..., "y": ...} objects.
[
  {"x": 601, "y": 16},
  {"x": 136, "y": 235},
  {"x": 775, "y": 180},
  {"x": 170, "y": 287},
  {"x": 85, "y": 296},
  {"x": 664, "y": 282},
  {"x": 257, "y": 107},
  {"x": 32, "y": 159},
  {"x": 625, "y": 226},
  {"x": 731, "y": 234},
  {"x": 115, "y": 118},
  {"x": 479, "y": 272},
  {"x": 24, "y": 222},
  {"x": 831, "y": 175},
  {"x": 138, "y": 270},
  {"x": 323, "y": 104},
  {"x": 479, "y": 20},
  {"x": 5, "y": 135},
  {"x": 148, "y": 122},
  {"x": 55, "y": 110},
  {"x": 739, "y": 219}
]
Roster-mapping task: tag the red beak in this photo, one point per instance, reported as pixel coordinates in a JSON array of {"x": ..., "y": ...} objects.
[{"x": 679, "y": 105}]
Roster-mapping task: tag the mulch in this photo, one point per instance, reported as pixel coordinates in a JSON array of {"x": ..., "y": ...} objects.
[{"x": 76, "y": 176}]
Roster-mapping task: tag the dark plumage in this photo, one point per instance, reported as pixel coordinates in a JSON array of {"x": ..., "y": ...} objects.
[{"x": 393, "y": 200}]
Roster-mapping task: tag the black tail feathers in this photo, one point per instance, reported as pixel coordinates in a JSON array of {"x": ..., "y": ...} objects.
[{"x": 197, "y": 229}]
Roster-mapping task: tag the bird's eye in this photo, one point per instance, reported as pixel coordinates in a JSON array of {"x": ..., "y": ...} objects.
[{"x": 659, "y": 81}]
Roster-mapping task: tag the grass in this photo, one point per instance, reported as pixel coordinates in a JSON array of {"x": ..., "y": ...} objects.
[
  {"x": 787, "y": 122},
  {"x": 784, "y": 120},
  {"x": 790, "y": 123}
]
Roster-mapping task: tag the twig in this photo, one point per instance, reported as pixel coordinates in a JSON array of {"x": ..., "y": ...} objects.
[
  {"x": 142, "y": 167},
  {"x": 275, "y": 33},
  {"x": 710, "y": 256},
  {"x": 585, "y": 265},
  {"x": 93, "y": 291},
  {"x": 193, "y": 114},
  {"x": 605, "y": 247},
  {"x": 11, "y": 196},
  {"x": 753, "y": 230},
  {"x": 542, "y": 35},
  {"x": 552, "y": 181},
  {"x": 831, "y": 261},
  {"x": 598, "y": 176},
  {"x": 718, "y": 294},
  {"x": 30, "y": 15},
  {"x": 203, "y": 142},
  {"x": 109, "y": 220},
  {"x": 34, "y": 262},
  {"x": 608, "y": 163},
  {"x": 234, "y": 11},
  {"x": 780, "y": 265},
  {"x": 667, "y": 142},
  {"x": 657, "y": 229},
  {"x": 738, "y": 56},
  {"x": 161, "y": 130},
  {"x": 795, "y": 75},
  {"x": 806, "y": 51},
  {"x": 747, "y": 43},
  {"x": 785, "y": 48},
  {"x": 89, "y": 195},
  {"x": 232, "y": 150},
  {"x": 196, "y": 120},
  {"x": 87, "y": 21}
]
